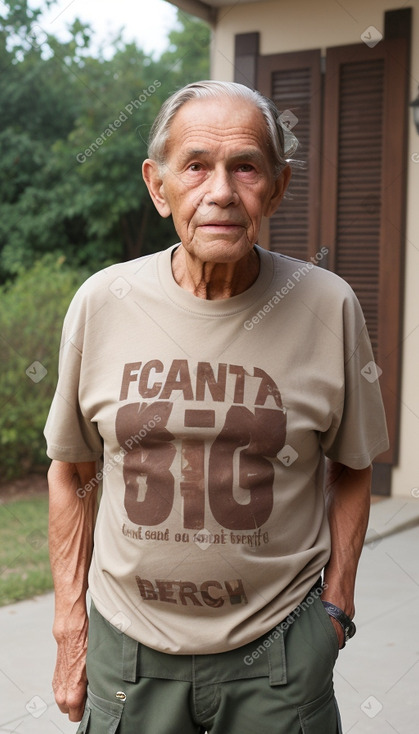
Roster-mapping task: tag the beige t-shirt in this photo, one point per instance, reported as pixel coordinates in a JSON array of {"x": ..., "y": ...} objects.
[{"x": 213, "y": 419}]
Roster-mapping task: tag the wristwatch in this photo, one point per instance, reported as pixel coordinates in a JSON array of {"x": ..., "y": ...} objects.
[{"x": 345, "y": 622}]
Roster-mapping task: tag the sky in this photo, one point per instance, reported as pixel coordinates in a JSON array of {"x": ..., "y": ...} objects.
[{"x": 146, "y": 21}]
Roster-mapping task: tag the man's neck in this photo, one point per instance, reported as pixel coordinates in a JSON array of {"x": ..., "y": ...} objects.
[{"x": 214, "y": 281}]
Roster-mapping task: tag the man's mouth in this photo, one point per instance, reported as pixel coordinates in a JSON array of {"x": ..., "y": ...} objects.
[{"x": 227, "y": 225}]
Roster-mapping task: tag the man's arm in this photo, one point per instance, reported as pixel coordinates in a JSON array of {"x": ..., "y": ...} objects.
[
  {"x": 71, "y": 523},
  {"x": 348, "y": 495}
]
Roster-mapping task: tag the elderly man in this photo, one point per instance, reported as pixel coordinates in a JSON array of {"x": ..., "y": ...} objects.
[{"x": 211, "y": 381}]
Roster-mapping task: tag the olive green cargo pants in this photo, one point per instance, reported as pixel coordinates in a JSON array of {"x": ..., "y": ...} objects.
[{"x": 279, "y": 684}]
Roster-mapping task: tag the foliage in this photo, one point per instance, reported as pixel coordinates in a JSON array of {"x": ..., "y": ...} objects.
[
  {"x": 32, "y": 309},
  {"x": 24, "y": 560},
  {"x": 188, "y": 53},
  {"x": 73, "y": 136}
]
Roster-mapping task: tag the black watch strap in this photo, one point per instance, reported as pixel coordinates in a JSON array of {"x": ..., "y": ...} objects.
[{"x": 345, "y": 622}]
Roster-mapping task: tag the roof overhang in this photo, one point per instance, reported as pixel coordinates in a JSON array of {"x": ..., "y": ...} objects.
[{"x": 205, "y": 9}]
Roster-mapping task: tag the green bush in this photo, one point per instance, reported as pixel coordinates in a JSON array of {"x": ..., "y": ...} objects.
[{"x": 32, "y": 308}]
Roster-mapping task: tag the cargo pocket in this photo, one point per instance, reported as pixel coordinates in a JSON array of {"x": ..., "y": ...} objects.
[
  {"x": 321, "y": 716},
  {"x": 100, "y": 715}
]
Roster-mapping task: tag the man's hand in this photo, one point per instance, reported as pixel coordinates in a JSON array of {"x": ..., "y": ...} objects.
[
  {"x": 69, "y": 682},
  {"x": 348, "y": 496},
  {"x": 71, "y": 522}
]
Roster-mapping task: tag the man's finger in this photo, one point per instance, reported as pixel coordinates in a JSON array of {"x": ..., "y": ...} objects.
[{"x": 76, "y": 714}]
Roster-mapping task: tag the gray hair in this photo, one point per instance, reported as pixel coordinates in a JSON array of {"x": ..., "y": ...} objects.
[{"x": 280, "y": 140}]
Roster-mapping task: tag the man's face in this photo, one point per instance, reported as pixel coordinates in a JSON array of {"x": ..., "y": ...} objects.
[{"x": 218, "y": 180}]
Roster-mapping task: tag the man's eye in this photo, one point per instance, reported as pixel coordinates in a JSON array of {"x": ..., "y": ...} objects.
[
  {"x": 245, "y": 168},
  {"x": 195, "y": 167}
]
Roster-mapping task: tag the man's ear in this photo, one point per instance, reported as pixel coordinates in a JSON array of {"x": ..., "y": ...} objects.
[
  {"x": 154, "y": 182},
  {"x": 280, "y": 187}
]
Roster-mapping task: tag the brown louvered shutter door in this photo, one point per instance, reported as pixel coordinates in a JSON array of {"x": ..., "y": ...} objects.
[
  {"x": 356, "y": 252},
  {"x": 293, "y": 81},
  {"x": 363, "y": 193}
]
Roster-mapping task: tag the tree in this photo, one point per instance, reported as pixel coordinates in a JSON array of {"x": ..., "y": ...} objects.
[
  {"x": 188, "y": 53},
  {"x": 74, "y": 134}
]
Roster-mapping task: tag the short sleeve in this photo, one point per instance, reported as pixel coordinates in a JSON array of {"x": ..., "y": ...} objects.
[
  {"x": 359, "y": 434},
  {"x": 70, "y": 435}
]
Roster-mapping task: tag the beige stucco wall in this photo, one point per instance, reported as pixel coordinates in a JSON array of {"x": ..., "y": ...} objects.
[{"x": 294, "y": 25}]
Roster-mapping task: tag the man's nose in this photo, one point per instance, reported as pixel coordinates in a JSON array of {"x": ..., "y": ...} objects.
[{"x": 221, "y": 190}]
